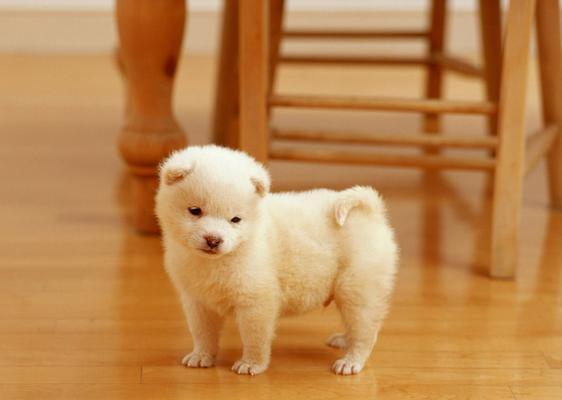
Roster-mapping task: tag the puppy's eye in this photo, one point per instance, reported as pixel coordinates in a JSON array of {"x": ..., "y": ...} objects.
[
  {"x": 236, "y": 220},
  {"x": 195, "y": 211}
]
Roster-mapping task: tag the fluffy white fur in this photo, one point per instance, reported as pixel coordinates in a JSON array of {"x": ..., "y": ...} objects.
[{"x": 288, "y": 254}]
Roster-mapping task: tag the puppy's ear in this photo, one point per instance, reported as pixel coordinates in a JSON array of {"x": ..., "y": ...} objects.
[
  {"x": 262, "y": 188},
  {"x": 177, "y": 166},
  {"x": 261, "y": 182},
  {"x": 174, "y": 175}
]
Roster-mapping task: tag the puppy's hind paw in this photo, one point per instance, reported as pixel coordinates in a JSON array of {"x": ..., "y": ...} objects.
[
  {"x": 198, "y": 360},
  {"x": 242, "y": 367},
  {"x": 337, "y": 341},
  {"x": 344, "y": 366}
]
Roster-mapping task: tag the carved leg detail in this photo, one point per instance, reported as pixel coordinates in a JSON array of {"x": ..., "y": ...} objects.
[{"x": 150, "y": 34}]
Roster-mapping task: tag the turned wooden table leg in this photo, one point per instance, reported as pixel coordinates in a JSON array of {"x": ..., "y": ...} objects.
[
  {"x": 434, "y": 79},
  {"x": 253, "y": 67},
  {"x": 548, "y": 36},
  {"x": 150, "y": 34},
  {"x": 508, "y": 183}
]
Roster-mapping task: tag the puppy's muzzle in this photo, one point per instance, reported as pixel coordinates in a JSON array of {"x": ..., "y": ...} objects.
[{"x": 213, "y": 242}]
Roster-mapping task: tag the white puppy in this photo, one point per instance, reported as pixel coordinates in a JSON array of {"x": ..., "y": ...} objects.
[{"x": 232, "y": 247}]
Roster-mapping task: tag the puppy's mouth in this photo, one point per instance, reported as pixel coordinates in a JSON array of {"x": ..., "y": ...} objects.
[{"x": 212, "y": 252}]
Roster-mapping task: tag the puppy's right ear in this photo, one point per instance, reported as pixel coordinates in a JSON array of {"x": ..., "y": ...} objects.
[
  {"x": 173, "y": 175},
  {"x": 261, "y": 181},
  {"x": 261, "y": 186}
]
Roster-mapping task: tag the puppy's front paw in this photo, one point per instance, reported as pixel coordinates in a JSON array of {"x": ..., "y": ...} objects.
[
  {"x": 198, "y": 360},
  {"x": 344, "y": 366},
  {"x": 243, "y": 367}
]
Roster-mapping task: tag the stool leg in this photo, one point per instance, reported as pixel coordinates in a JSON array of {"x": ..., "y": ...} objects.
[
  {"x": 276, "y": 15},
  {"x": 434, "y": 79},
  {"x": 490, "y": 28},
  {"x": 548, "y": 36},
  {"x": 253, "y": 67},
  {"x": 511, "y": 124},
  {"x": 150, "y": 34},
  {"x": 226, "y": 117}
]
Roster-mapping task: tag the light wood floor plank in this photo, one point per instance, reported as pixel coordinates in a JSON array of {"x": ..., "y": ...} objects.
[
  {"x": 554, "y": 359},
  {"x": 64, "y": 375},
  {"x": 303, "y": 357},
  {"x": 262, "y": 392},
  {"x": 301, "y": 372},
  {"x": 537, "y": 392}
]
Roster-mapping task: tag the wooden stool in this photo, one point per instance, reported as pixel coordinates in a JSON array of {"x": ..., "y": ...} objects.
[{"x": 251, "y": 35}]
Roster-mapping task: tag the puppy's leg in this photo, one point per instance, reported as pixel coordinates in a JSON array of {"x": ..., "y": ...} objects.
[
  {"x": 363, "y": 306},
  {"x": 337, "y": 341},
  {"x": 205, "y": 326},
  {"x": 257, "y": 325},
  {"x": 362, "y": 331}
]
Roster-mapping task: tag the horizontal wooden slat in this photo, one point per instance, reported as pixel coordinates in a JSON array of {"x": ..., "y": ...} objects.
[
  {"x": 347, "y": 34},
  {"x": 455, "y": 64},
  {"x": 538, "y": 145},
  {"x": 315, "y": 154},
  {"x": 355, "y": 60},
  {"x": 389, "y": 139},
  {"x": 452, "y": 64},
  {"x": 383, "y": 104}
]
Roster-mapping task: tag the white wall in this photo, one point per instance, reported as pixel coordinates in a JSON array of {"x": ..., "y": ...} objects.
[
  {"x": 88, "y": 26},
  {"x": 213, "y": 5}
]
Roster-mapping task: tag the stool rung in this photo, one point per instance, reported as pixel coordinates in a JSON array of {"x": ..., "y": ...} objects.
[
  {"x": 490, "y": 142},
  {"x": 384, "y": 104},
  {"x": 450, "y": 63},
  {"x": 324, "y": 155},
  {"x": 348, "y": 34},
  {"x": 453, "y": 64},
  {"x": 356, "y": 60},
  {"x": 460, "y": 66},
  {"x": 538, "y": 145}
]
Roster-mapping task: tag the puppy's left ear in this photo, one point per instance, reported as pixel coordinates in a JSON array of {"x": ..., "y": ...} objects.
[
  {"x": 177, "y": 166},
  {"x": 261, "y": 182},
  {"x": 174, "y": 175}
]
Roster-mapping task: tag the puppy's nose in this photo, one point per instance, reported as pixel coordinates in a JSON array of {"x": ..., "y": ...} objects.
[{"x": 212, "y": 241}]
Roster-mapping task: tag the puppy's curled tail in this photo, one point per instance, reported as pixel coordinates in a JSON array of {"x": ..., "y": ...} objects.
[{"x": 361, "y": 197}]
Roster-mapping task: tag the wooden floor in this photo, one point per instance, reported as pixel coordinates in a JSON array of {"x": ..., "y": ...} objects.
[{"x": 86, "y": 311}]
